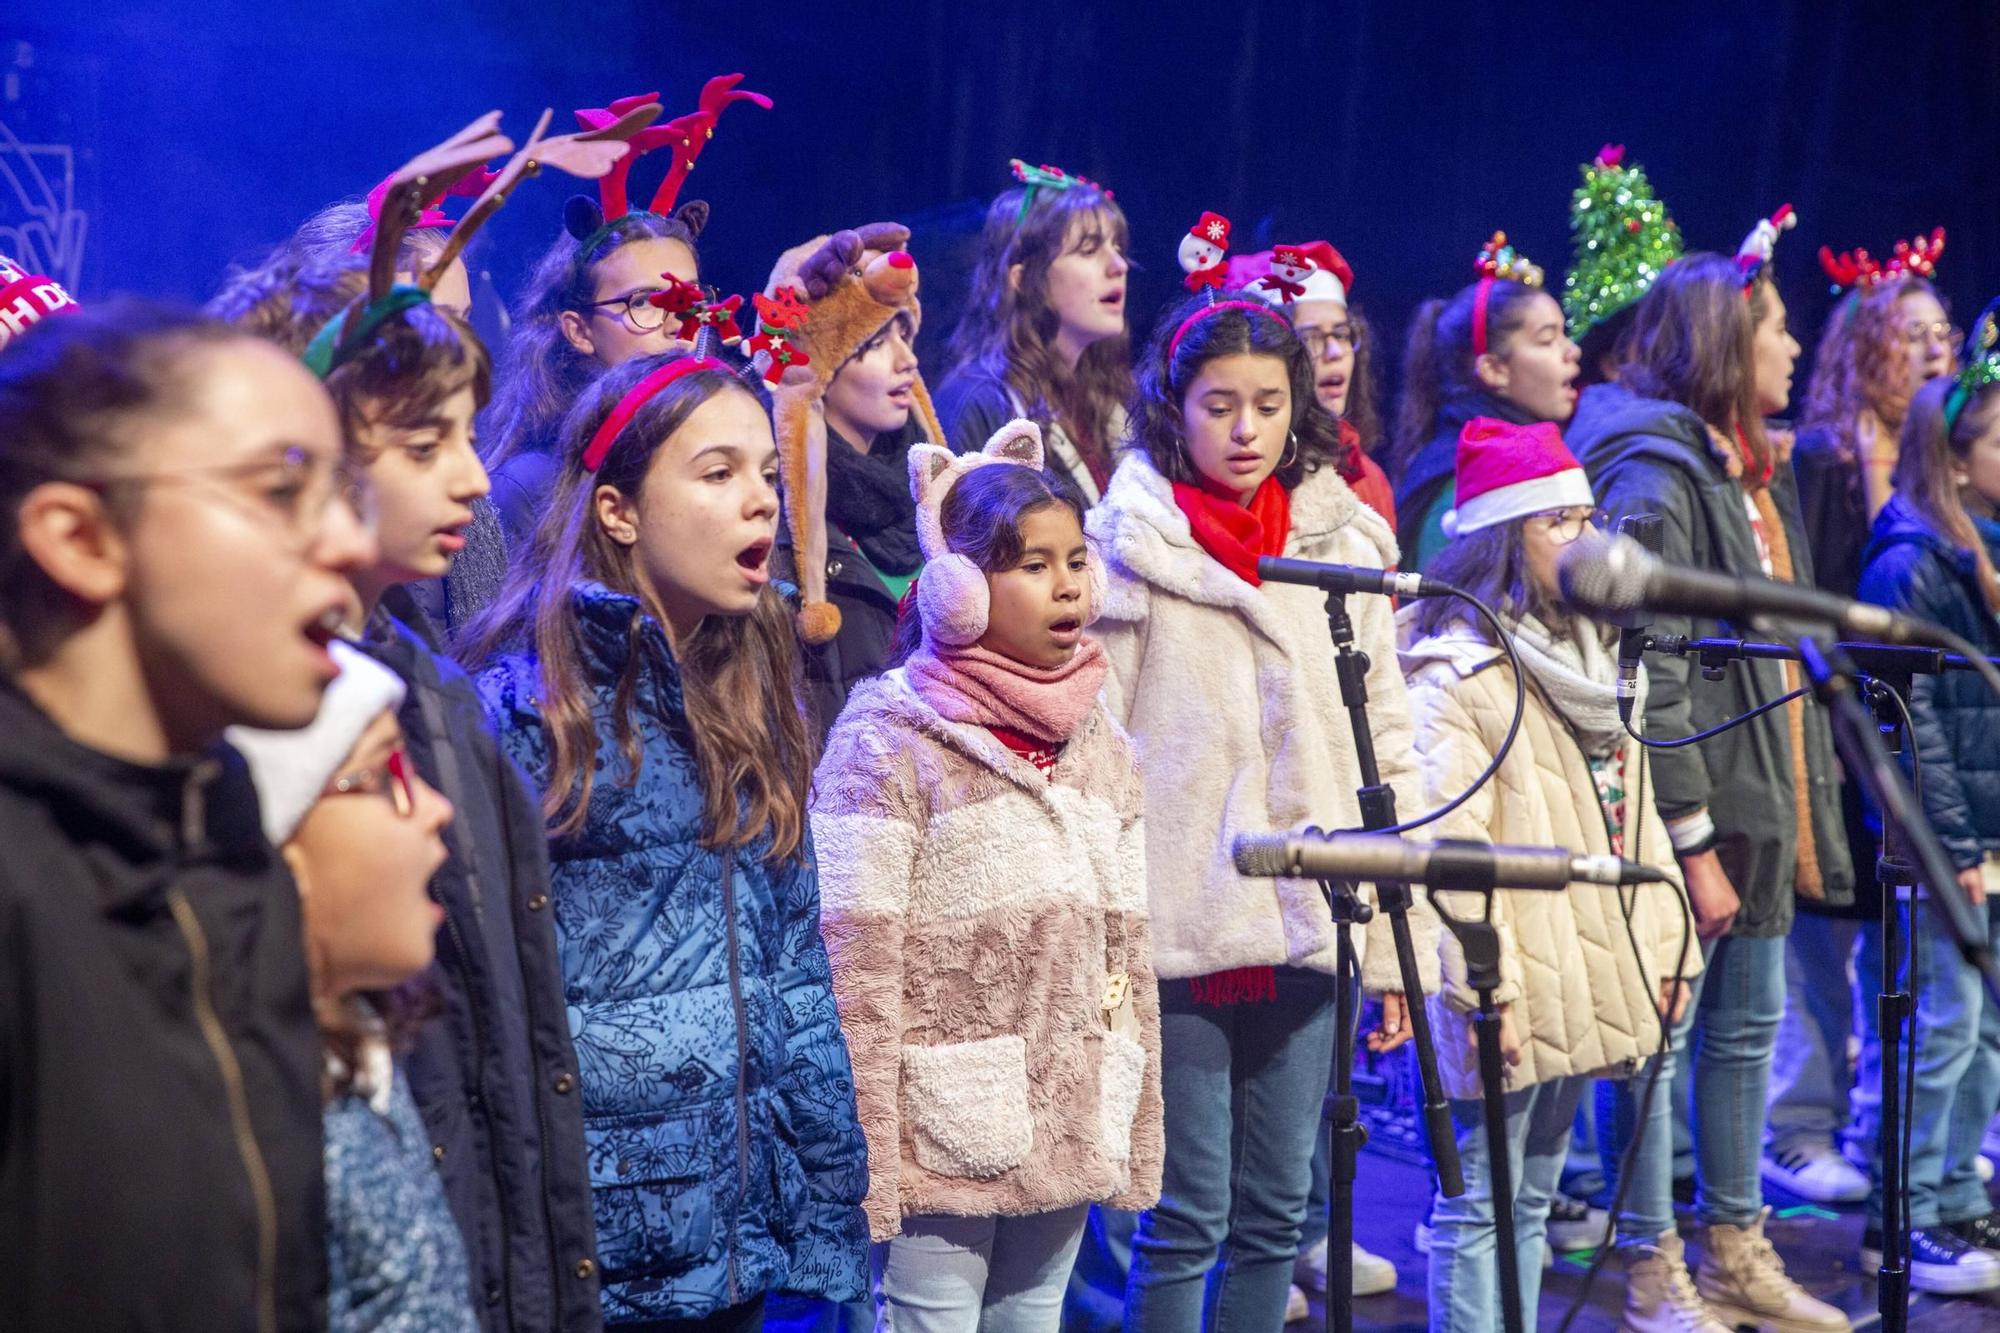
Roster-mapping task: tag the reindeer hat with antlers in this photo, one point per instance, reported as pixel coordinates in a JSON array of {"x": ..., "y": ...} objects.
[
  {"x": 587, "y": 219},
  {"x": 825, "y": 300}
]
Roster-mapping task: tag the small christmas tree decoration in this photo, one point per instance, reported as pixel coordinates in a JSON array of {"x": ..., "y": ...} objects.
[
  {"x": 1622, "y": 239},
  {"x": 1857, "y": 270},
  {"x": 1502, "y": 262},
  {"x": 1762, "y": 242},
  {"x": 1202, "y": 254}
]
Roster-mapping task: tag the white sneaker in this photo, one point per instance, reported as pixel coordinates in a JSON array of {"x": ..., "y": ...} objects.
[
  {"x": 1373, "y": 1275},
  {"x": 1574, "y": 1224},
  {"x": 1984, "y": 1166},
  {"x": 1815, "y": 1170},
  {"x": 1295, "y": 1305}
]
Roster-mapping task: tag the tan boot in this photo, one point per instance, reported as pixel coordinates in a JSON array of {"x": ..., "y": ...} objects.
[
  {"x": 1745, "y": 1282},
  {"x": 1660, "y": 1296}
]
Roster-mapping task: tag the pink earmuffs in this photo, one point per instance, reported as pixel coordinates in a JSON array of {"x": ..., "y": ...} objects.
[{"x": 952, "y": 593}]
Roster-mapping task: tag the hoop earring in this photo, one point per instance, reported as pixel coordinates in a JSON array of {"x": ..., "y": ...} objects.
[{"x": 1284, "y": 462}]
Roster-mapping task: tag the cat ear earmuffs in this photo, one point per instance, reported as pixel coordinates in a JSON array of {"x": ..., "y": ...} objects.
[{"x": 952, "y": 594}]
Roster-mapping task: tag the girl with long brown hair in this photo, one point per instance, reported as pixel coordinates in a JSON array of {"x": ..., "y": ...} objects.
[
  {"x": 1753, "y": 814},
  {"x": 641, "y": 668},
  {"x": 1044, "y": 333},
  {"x": 1931, "y": 554}
]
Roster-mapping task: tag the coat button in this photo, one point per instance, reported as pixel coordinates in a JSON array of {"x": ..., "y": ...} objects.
[
  {"x": 564, "y": 1083},
  {"x": 493, "y": 1293},
  {"x": 585, "y": 1268},
  {"x": 833, "y": 568},
  {"x": 538, "y": 902},
  {"x": 437, "y": 1152},
  {"x": 624, "y": 1168}
]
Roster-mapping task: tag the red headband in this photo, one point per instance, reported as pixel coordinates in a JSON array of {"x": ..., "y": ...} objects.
[
  {"x": 1174, "y": 343},
  {"x": 637, "y": 397},
  {"x": 1479, "y": 299}
]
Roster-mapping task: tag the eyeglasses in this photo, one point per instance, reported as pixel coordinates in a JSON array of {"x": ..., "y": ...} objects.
[
  {"x": 392, "y": 780},
  {"x": 635, "y": 309},
  {"x": 293, "y": 491},
  {"x": 1919, "y": 334},
  {"x": 1319, "y": 342},
  {"x": 1569, "y": 524}
]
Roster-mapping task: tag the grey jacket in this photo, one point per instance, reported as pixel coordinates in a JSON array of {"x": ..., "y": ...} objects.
[{"x": 1649, "y": 456}]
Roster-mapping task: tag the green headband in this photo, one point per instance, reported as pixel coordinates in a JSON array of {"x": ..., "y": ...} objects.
[
  {"x": 1045, "y": 177},
  {"x": 334, "y": 346},
  {"x": 1982, "y": 370}
]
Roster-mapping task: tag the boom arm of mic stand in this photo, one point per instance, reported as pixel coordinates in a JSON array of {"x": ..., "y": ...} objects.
[{"x": 1854, "y": 732}]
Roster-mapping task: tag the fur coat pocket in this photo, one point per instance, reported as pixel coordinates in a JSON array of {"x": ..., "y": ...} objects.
[
  {"x": 1122, "y": 1074},
  {"x": 966, "y": 1105}
]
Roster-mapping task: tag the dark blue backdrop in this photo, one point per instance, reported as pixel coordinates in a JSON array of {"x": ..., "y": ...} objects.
[{"x": 1404, "y": 130}]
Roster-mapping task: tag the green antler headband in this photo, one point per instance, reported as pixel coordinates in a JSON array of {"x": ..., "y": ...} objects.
[{"x": 1045, "y": 177}]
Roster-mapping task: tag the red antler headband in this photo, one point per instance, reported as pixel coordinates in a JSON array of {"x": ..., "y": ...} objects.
[
  {"x": 637, "y": 397},
  {"x": 687, "y": 135}
]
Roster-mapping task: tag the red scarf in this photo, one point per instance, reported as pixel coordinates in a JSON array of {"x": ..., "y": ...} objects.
[{"x": 1234, "y": 535}]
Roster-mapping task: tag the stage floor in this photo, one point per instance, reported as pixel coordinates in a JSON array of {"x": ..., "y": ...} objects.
[{"x": 1820, "y": 1248}]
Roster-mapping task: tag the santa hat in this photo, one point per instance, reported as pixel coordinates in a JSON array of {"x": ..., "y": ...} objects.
[
  {"x": 1507, "y": 471},
  {"x": 26, "y": 299},
  {"x": 1331, "y": 278},
  {"x": 1212, "y": 228},
  {"x": 847, "y": 287},
  {"x": 291, "y": 768}
]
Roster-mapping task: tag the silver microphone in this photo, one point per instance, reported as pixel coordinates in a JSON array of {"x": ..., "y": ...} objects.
[{"x": 1380, "y": 858}]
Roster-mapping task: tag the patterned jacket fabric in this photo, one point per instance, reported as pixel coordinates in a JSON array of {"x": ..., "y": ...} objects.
[
  {"x": 977, "y": 909},
  {"x": 725, "y": 1158}
]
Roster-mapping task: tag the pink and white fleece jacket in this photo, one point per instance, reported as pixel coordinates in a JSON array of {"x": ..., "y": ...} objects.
[{"x": 974, "y": 910}]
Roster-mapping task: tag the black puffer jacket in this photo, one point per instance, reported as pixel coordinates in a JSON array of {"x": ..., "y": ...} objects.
[
  {"x": 160, "y": 1161},
  {"x": 495, "y": 1075},
  {"x": 1909, "y": 566},
  {"x": 1649, "y": 456}
]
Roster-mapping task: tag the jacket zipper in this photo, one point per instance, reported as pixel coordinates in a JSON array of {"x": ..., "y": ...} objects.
[
  {"x": 200, "y": 983},
  {"x": 742, "y": 1067}
]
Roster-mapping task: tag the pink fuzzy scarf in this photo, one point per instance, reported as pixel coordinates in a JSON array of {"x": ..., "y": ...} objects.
[{"x": 979, "y": 686}]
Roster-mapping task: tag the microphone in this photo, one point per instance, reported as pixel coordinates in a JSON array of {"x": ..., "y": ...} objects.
[
  {"x": 1347, "y": 578},
  {"x": 1381, "y": 858},
  {"x": 1609, "y": 576},
  {"x": 1644, "y": 529}
]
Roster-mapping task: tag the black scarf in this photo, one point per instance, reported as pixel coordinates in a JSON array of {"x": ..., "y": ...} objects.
[{"x": 868, "y": 498}]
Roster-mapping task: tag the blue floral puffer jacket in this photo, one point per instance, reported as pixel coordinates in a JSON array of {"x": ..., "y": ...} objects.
[{"x": 725, "y": 1157}]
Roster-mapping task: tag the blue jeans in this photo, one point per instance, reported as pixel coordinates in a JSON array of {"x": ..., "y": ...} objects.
[
  {"x": 1242, "y": 1086},
  {"x": 1812, "y": 1080},
  {"x": 1465, "y": 1263},
  {"x": 1729, "y": 1031},
  {"x": 1957, "y": 1082},
  {"x": 1096, "y": 1299},
  {"x": 978, "y": 1274}
]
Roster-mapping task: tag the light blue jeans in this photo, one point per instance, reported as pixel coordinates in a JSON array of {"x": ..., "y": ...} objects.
[
  {"x": 1465, "y": 1263},
  {"x": 977, "y": 1274},
  {"x": 1729, "y": 1032},
  {"x": 1813, "y": 1088},
  {"x": 1242, "y": 1086},
  {"x": 1957, "y": 1082}
]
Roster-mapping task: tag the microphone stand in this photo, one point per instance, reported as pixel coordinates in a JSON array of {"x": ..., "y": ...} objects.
[
  {"x": 1479, "y": 942},
  {"x": 1345, "y": 1133},
  {"x": 1911, "y": 854}
]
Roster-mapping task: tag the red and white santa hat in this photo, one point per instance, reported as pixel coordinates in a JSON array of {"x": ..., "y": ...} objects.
[
  {"x": 26, "y": 299},
  {"x": 1508, "y": 471},
  {"x": 1213, "y": 228},
  {"x": 1329, "y": 279}
]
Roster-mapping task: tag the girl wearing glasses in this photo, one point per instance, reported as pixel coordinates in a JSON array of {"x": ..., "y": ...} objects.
[
  {"x": 1883, "y": 342},
  {"x": 585, "y": 307},
  {"x": 1580, "y": 997},
  {"x": 361, "y": 834},
  {"x": 1753, "y": 814},
  {"x": 176, "y": 551}
]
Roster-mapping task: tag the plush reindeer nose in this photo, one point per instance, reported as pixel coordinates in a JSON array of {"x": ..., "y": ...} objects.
[{"x": 892, "y": 278}]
